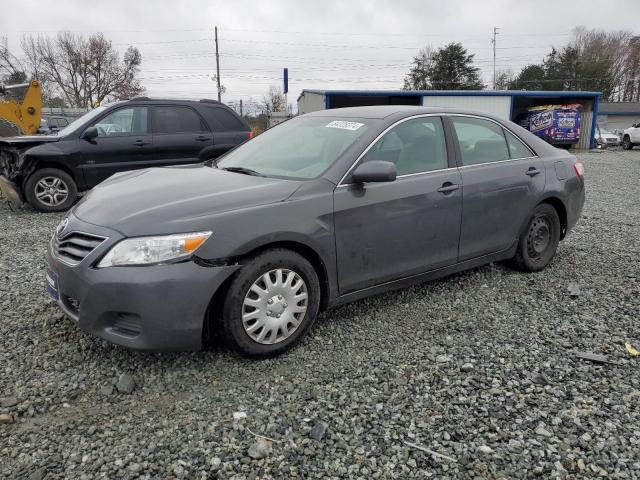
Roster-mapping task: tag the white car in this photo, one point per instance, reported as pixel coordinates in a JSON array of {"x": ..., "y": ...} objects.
[
  {"x": 605, "y": 138},
  {"x": 631, "y": 137}
]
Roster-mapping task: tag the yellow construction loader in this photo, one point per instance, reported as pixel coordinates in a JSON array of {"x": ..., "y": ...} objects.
[{"x": 20, "y": 109}]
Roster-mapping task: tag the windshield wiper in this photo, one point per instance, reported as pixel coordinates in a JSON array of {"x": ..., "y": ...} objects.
[{"x": 243, "y": 170}]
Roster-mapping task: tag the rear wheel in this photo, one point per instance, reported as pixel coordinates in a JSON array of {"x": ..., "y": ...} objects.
[
  {"x": 271, "y": 303},
  {"x": 539, "y": 242},
  {"x": 50, "y": 190},
  {"x": 626, "y": 143}
]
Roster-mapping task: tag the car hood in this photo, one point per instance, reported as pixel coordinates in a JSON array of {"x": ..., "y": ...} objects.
[
  {"x": 32, "y": 139},
  {"x": 176, "y": 199}
]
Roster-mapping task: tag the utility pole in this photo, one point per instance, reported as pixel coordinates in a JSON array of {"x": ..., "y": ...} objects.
[
  {"x": 218, "y": 66},
  {"x": 495, "y": 32},
  {"x": 241, "y": 108}
]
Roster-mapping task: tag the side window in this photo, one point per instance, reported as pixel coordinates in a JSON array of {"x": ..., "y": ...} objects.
[
  {"x": 125, "y": 121},
  {"x": 415, "y": 146},
  {"x": 517, "y": 149},
  {"x": 176, "y": 120},
  {"x": 481, "y": 141},
  {"x": 222, "y": 120}
]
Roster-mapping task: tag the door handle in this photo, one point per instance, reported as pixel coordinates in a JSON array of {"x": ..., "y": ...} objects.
[
  {"x": 140, "y": 143},
  {"x": 202, "y": 138},
  {"x": 448, "y": 187},
  {"x": 533, "y": 171}
]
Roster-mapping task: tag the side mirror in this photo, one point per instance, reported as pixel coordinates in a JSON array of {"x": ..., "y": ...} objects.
[
  {"x": 374, "y": 171},
  {"x": 90, "y": 133}
]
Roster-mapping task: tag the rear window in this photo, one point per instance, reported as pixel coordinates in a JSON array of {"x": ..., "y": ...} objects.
[
  {"x": 176, "y": 120},
  {"x": 480, "y": 141},
  {"x": 222, "y": 120}
]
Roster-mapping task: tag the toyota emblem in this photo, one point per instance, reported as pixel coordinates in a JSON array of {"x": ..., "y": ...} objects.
[{"x": 61, "y": 226}]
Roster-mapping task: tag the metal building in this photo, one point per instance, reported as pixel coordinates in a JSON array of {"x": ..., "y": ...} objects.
[
  {"x": 618, "y": 115},
  {"x": 505, "y": 103}
]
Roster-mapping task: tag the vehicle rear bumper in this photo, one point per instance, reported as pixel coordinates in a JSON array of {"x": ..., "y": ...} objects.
[{"x": 156, "y": 308}]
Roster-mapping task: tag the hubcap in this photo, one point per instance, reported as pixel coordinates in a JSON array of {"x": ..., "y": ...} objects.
[
  {"x": 51, "y": 191},
  {"x": 274, "y": 306},
  {"x": 539, "y": 237}
]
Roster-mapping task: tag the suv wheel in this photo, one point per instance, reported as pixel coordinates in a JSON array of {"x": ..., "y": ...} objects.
[
  {"x": 539, "y": 242},
  {"x": 50, "y": 190},
  {"x": 626, "y": 143},
  {"x": 271, "y": 303}
]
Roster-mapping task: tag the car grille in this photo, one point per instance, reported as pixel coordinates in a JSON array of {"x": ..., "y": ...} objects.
[
  {"x": 612, "y": 140},
  {"x": 74, "y": 247}
]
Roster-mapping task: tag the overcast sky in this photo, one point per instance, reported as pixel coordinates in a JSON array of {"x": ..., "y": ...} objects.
[{"x": 328, "y": 44}]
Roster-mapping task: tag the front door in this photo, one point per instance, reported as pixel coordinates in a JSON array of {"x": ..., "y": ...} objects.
[
  {"x": 123, "y": 143},
  {"x": 502, "y": 181},
  {"x": 386, "y": 231}
]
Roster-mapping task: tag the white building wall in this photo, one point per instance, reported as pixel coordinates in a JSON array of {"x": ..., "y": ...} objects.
[
  {"x": 310, "y": 102},
  {"x": 498, "y": 105}
]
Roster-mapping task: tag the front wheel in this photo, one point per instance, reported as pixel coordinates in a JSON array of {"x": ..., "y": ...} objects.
[
  {"x": 539, "y": 242},
  {"x": 271, "y": 303},
  {"x": 50, "y": 190},
  {"x": 626, "y": 143}
]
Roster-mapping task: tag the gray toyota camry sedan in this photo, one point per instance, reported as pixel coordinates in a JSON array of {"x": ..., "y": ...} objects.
[{"x": 323, "y": 209}]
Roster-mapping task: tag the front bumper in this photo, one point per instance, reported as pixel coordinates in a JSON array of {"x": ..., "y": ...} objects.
[
  {"x": 161, "y": 307},
  {"x": 11, "y": 192}
]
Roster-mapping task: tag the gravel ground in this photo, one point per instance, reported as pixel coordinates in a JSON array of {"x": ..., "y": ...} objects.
[{"x": 479, "y": 368}]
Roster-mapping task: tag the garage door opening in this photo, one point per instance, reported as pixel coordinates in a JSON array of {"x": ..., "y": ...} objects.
[
  {"x": 522, "y": 103},
  {"x": 363, "y": 101}
]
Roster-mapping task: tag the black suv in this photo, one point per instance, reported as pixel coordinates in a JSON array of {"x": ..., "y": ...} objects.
[{"x": 48, "y": 171}]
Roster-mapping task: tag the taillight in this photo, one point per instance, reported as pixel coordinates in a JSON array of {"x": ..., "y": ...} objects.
[
  {"x": 579, "y": 169},
  {"x": 250, "y": 134}
]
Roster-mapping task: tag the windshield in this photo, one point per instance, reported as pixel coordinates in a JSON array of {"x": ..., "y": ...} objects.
[
  {"x": 603, "y": 132},
  {"x": 73, "y": 126},
  {"x": 302, "y": 147}
]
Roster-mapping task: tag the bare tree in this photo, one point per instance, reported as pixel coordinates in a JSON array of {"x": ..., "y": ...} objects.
[
  {"x": 83, "y": 71},
  {"x": 274, "y": 101},
  {"x": 504, "y": 79},
  {"x": 419, "y": 76},
  {"x": 10, "y": 66},
  {"x": 630, "y": 76}
]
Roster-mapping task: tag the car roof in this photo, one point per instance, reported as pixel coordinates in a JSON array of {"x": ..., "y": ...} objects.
[
  {"x": 177, "y": 101},
  {"x": 393, "y": 113}
]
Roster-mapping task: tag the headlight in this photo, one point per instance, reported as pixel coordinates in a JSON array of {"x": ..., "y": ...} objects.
[{"x": 151, "y": 250}]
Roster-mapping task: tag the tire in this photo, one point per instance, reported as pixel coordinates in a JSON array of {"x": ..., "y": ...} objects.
[
  {"x": 59, "y": 181},
  {"x": 539, "y": 241},
  {"x": 277, "y": 335},
  {"x": 626, "y": 143}
]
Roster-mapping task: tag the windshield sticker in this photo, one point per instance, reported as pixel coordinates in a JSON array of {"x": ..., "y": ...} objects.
[{"x": 345, "y": 125}]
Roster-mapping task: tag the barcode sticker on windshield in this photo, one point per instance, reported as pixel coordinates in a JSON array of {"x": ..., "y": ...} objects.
[{"x": 345, "y": 125}]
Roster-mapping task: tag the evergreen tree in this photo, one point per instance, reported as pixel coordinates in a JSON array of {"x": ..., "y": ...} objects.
[{"x": 449, "y": 68}]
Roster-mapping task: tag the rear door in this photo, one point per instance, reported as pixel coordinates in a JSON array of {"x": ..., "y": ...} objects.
[
  {"x": 179, "y": 135},
  {"x": 502, "y": 180},
  {"x": 123, "y": 143}
]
